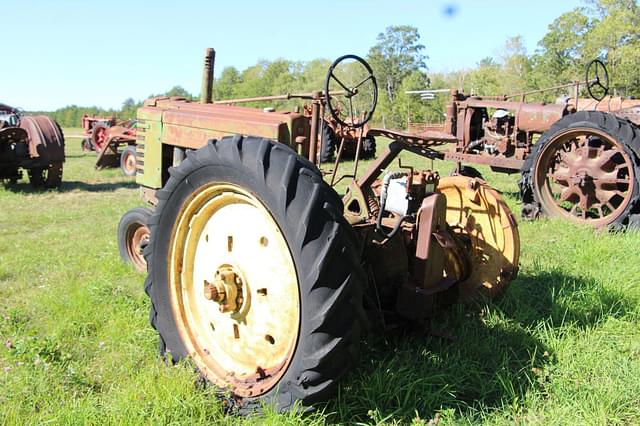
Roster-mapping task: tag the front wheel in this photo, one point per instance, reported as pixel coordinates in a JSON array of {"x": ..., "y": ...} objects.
[
  {"x": 133, "y": 237},
  {"x": 128, "y": 161},
  {"x": 584, "y": 169},
  {"x": 254, "y": 273}
]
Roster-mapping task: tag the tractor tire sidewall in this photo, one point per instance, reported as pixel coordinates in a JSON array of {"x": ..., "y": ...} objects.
[
  {"x": 136, "y": 216},
  {"x": 37, "y": 177},
  {"x": 327, "y": 144},
  {"x": 621, "y": 130},
  {"x": 322, "y": 245},
  {"x": 368, "y": 148},
  {"x": 127, "y": 151}
]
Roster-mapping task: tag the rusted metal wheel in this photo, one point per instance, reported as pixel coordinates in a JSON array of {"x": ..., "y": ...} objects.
[
  {"x": 260, "y": 287},
  {"x": 99, "y": 137},
  {"x": 586, "y": 171},
  {"x": 482, "y": 220},
  {"x": 128, "y": 161},
  {"x": 133, "y": 237}
]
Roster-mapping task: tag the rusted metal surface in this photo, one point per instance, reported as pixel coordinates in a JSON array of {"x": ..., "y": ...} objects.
[
  {"x": 191, "y": 125},
  {"x": 35, "y": 143},
  {"x": 626, "y": 108},
  {"x": 206, "y": 93},
  {"x": 109, "y": 142},
  {"x": 496, "y": 161},
  {"x": 421, "y": 244},
  {"x": 588, "y": 170}
]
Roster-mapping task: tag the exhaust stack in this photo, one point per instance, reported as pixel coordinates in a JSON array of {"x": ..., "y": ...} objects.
[{"x": 206, "y": 94}]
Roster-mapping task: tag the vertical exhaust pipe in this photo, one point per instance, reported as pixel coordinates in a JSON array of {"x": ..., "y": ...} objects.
[{"x": 206, "y": 93}]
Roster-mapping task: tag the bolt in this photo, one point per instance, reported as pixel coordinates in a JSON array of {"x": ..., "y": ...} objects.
[
  {"x": 473, "y": 184},
  {"x": 239, "y": 300},
  {"x": 210, "y": 292}
]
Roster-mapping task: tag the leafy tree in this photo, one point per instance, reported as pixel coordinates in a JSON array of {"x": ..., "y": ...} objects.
[
  {"x": 225, "y": 86},
  {"x": 397, "y": 54}
]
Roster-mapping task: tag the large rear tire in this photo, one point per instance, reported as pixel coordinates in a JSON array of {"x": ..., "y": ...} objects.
[
  {"x": 46, "y": 177},
  {"x": 254, "y": 274},
  {"x": 586, "y": 169}
]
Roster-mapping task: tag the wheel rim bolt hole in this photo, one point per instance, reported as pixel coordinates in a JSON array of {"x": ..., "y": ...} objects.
[{"x": 264, "y": 241}]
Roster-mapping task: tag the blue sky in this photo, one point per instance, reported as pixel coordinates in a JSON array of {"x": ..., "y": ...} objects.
[{"x": 99, "y": 53}]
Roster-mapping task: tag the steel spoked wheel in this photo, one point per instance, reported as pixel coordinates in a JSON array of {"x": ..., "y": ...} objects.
[
  {"x": 584, "y": 175},
  {"x": 254, "y": 274},
  {"x": 585, "y": 169},
  {"x": 133, "y": 237},
  {"x": 234, "y": 289}
]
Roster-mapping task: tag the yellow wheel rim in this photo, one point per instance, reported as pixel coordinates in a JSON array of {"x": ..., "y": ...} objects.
[
  {"x": 234, "y": 290},
  {"x": 478, "y": 214}
]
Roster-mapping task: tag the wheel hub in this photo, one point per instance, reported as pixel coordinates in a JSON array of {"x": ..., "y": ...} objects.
[
  {"x": 234, "y": 289},
  {"x": 226, "y": 289}
]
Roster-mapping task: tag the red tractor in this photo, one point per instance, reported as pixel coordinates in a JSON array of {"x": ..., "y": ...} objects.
[
  {"x": 578, "y": 159},
  {"x": 114, "y": 142},
  {"x": 33, "y": 143}
]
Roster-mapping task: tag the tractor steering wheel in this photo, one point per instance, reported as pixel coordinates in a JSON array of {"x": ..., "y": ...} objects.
[
  {"x": 350, "y": 93},
  {"x": 597, "y": 78}
]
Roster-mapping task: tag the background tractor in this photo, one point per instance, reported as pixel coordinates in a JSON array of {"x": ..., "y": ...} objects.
[
  {"x": 113, "y": 141},
  {"x": 33, "y": 143},
  {"x": 263, "y": 275},
  {"x": 579, "y": 159}
]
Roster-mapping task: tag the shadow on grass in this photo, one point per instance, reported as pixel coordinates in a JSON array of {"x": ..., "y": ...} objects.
[
  {"x": 68, "y": 186},
  {"x": 495, "y": 356}
]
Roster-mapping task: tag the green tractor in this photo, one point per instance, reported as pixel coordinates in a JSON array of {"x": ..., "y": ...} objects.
[{"x": 262, "y": 274}]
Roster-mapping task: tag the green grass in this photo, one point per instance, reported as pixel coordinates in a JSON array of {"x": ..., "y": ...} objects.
[{"x": 562, "y": 346}]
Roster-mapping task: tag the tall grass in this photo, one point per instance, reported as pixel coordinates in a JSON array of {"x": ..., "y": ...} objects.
[{"x": 561, "y": 347}]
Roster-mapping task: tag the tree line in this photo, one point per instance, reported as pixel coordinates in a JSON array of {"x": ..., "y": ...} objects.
[{"x": 604, "y": 29}]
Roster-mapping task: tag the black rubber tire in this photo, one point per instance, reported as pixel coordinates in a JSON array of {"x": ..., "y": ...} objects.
[
  {"x": 618, "y": 128},
  {"x": 129, "y": 222},
  {"x": 324, "y": 250},
  {"x": 54, "y": 175},
  {"x": 127, "y": 151},
  {"x": 368, "y": 147},
  {"x": 327, "y": 144},
  {"x": 46, "y": 177},
  {"x": 86, "y": 145},
  {"x": 37, "y": 177},
  {"x": 467, "y": 171}
]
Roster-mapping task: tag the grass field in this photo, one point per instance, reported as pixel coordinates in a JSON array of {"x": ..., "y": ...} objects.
[{"x": 561, "y": 347}]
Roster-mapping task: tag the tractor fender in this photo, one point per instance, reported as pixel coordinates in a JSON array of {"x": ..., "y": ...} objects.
[{"x": 46, "y": 140}]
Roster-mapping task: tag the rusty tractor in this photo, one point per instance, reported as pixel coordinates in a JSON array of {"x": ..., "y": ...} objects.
[
  {"x": 113, "y": 141},
  {"x": 578, "y": 159},
  {"x": 333, "y": 133},
  {"x": 89, "y": 125},
  {"x": 33, "y": 143},
  {"x": 262, "y": 275}
]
